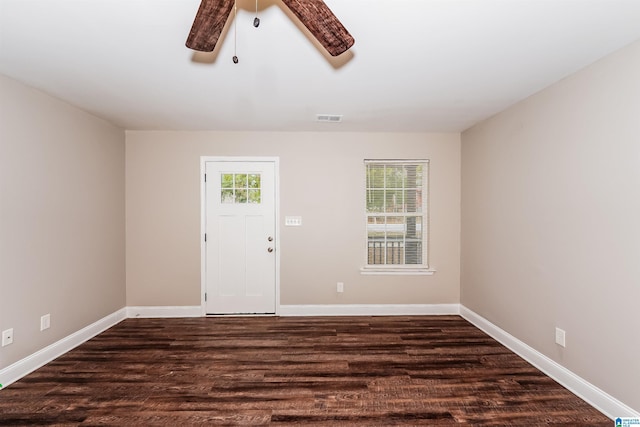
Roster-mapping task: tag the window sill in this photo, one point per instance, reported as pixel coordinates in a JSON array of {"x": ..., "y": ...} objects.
[{"x": 397, "y": 271}]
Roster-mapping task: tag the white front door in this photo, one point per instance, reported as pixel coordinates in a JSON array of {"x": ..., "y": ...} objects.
[{"x": 240, "y": 227}]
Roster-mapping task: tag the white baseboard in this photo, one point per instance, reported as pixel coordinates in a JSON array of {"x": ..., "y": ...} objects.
[
  {"x": 308, "y": 310},
  {"x": 164, "y": 311},
  {"x": 23, "y": 367},
  {"x": 597, "y": 398},
  {"x": 368, "y": 310}
]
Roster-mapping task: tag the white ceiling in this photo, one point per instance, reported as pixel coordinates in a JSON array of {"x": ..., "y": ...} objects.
[{"x": 416, "y": 66}]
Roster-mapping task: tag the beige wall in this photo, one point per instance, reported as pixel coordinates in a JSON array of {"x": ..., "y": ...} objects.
[
  {"x": 550, "y": 222},
  {"x": 321, "y": 179},
  {"x": 61, "y": 218}
]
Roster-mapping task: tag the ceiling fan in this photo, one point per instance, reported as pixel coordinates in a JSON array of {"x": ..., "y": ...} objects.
[{"x": 314, "y": 14}]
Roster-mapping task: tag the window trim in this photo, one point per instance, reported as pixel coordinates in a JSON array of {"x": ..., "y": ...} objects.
[{"x": 400, "y": 269}]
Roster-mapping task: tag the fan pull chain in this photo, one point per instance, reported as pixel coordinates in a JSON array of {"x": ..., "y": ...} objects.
[
  {"x": 235, "y": 31},
  {"x": 256, "y": 20}
]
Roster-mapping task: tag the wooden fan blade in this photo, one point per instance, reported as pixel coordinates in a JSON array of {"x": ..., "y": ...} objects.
[
  {"x": 208, "y": 24},
  {"x": 323, "y": 24}
]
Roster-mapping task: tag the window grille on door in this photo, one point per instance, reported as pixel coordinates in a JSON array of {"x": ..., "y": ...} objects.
[{"x": 238, "y": 188}]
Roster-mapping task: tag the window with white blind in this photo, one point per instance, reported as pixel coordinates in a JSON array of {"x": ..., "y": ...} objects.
[{"x": 396, "y": 214}]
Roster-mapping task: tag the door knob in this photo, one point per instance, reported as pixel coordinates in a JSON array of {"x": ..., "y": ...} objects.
[
  {"x": 270, "y": 250},
  {"x": 270, "y": 239}
]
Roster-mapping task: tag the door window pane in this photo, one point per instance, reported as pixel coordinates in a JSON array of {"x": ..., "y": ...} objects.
[
  {"x": 227, "y": 180},
  {"x": 240, "y": 188},
  {"x": 254, "y": 180}
]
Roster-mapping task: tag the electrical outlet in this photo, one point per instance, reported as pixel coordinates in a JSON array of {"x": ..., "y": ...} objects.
[
  {"x": 45, "y": 322},
  {"x": 560, "y": 337},
  {"x": 340, "y": 287},
  {"x": 7, "y": 337}
]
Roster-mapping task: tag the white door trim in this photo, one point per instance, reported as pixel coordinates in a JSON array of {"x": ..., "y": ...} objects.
[{"x": 203, "y": 260}]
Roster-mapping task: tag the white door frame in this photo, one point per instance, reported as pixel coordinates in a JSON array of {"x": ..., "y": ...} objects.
[{"x": 203, "y": 214}]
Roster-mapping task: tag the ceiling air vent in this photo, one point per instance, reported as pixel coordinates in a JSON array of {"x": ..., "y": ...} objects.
[{"x": 329, "y": 118}]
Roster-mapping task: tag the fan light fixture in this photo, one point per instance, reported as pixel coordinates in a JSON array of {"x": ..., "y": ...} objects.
[{"x": 212, "y": 16}]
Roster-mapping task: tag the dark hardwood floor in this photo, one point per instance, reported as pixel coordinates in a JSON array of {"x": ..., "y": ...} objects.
[{"x": 373, "y": 371}]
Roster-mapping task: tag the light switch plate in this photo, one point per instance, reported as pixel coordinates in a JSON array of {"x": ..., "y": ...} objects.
[{"x": 293, "y": 221}]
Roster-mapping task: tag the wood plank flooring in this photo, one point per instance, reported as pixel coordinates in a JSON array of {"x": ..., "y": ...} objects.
[{"x": 373, "y": 371}]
